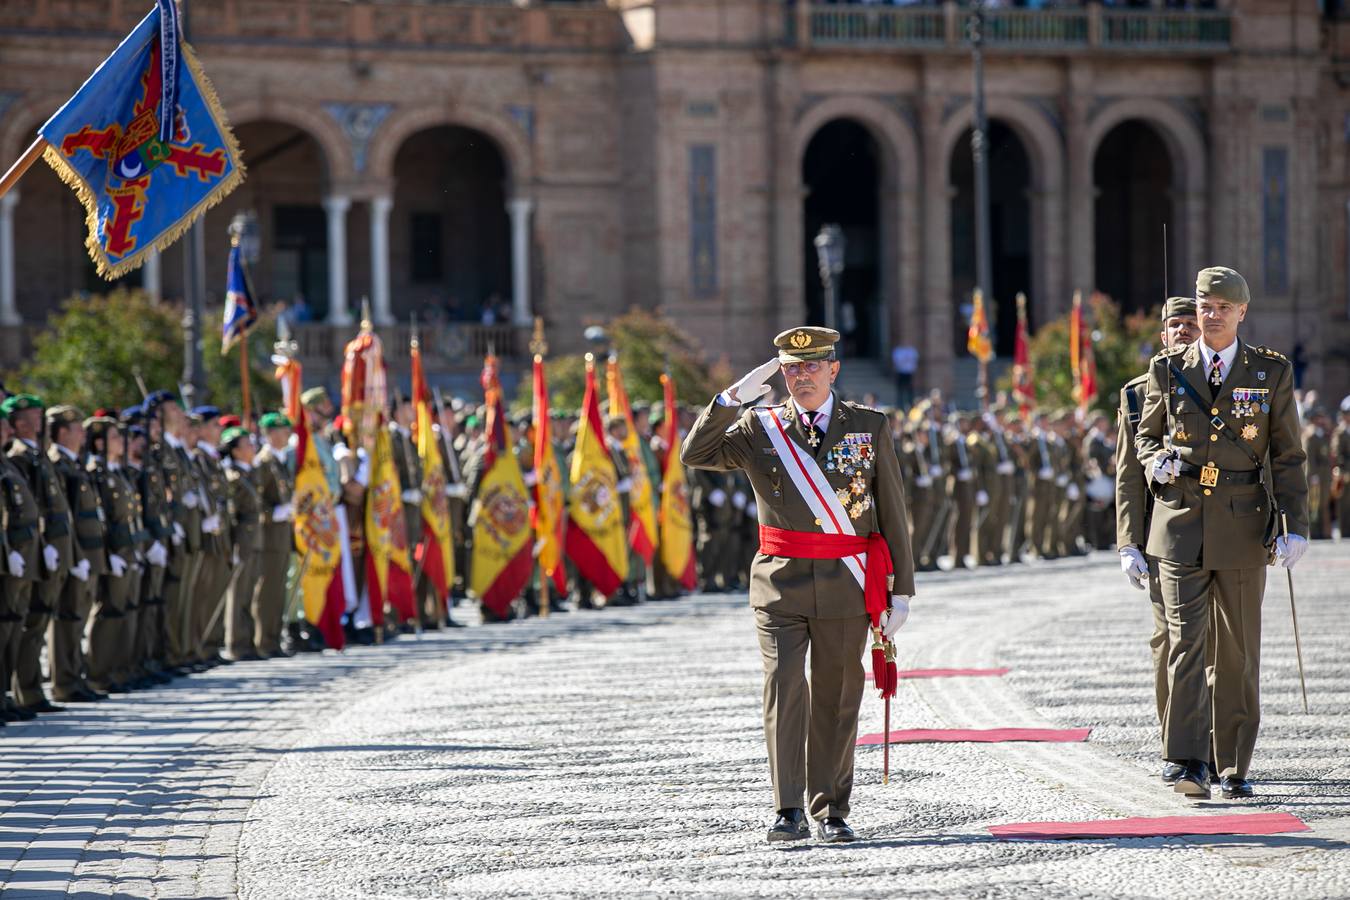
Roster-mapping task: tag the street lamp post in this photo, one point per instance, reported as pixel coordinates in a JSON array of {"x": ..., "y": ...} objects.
[
  {"x": 979, "y": 150},
  {"x": 830, "y": 257},
  {"x": 194, "y": 290}
]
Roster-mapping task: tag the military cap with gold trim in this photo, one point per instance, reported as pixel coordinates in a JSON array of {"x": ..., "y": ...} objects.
[
  {"x": 806, "y": 343},
  {"x": 1223, "y": 283},
  {"x": 18, "y": 402},
  {"x": 1178, "y": 306},
  {"x": 99, "y": 425},
  {"x": 64, "y": 414}
]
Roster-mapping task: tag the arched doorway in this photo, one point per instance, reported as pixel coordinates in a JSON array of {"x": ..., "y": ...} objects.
[
  {"x": 1133, "y": 177},
  {"x": 1009, "y": 230},
  {"x": 450, "y": 242},
  {"x": 841, "y": 176}
]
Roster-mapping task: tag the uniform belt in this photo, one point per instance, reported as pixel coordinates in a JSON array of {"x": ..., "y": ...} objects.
[
  {"x": 1226, "y": 476},
  {"x": 87, "y": 514},
  {"x": 815, "y": 545},
  {"x": 20, "y": 534}
]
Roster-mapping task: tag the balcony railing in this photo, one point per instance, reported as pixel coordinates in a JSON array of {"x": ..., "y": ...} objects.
[
  {"x": 445, "y": 347},
  {"x": 944, "y": 26}
]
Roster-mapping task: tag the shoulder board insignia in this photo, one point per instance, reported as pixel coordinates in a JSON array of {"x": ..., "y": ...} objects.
[
  {"x": 861, "y": 408},
  {"x": 1272, "y": 354}
]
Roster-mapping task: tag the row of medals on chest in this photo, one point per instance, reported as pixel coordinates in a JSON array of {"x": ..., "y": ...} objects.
[
  {"x": 1247, "y": 403},
  {"x": 852, "y": 456}
]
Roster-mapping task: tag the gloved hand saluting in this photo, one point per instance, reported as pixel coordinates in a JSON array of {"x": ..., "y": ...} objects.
[
  {"x": 893, "y": 618},
  {"x": 1133, "y": 565},
  {"x": 754, "y": 385}
]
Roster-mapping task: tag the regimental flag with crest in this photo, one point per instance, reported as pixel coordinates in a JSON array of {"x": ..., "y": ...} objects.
[
  {"x": 145, "y": 145},
  {"x": 1023, "y": 374},
  {"x": 977, "y": 336},
  {"x": 642, "y": 524},
  {"x": 365, "y": 391},
  {"x": 1081, "y": 358},
  {"x": 318, "y": 538},
  {"x": 500, "y": 517},
  {"x": 435, "y": 551},
  {"x": 548, "y": 513},
  {"x": 388, "y": 570},
  {"x": 596, "y": 533},
  {"x": 676, "y": 520},
  {"x": 289, "y": 375},
  {"x": 241, "y": 313}
]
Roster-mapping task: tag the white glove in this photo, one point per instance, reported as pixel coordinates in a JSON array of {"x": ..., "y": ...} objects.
[
  {"x": 752, "y": 510},
  {"x": 1072, "y": 493},
  {"x": 1289, "y": 550},
  {"x": 81, "y": 571},
  {"x": 717, "y": 497},
  {"x": 964, "y": 475},
  {"x": 1046, "y": 474},
  {"x": 738, "y": 499},
  {"x": 190, "y": 499},
  {"x": 893, "y": 618},
  {"x": 16, "y": 565},
  {"x": 178, "y": 534},
  {"x": 234, "y": 557},
  {"x": 1006, "y": 468},
  {"x": 981, "y": 498},
  {"x": 531, "y": 478},
  {"x": 211, "y": 524},
  {"x": 51, "y": 556},
  {"x": 752, "y": 386},
  {"x": 411, "y": 495},
  {"x": 118, "y": 565},
  {"x": 457, "y": 491},
  {"x": 157, "y": 555},
  {"x": 1061, "y": 481},
  {"x": 923, "y": 481},
  {"x": 282, "y": 513},
  {"x": 625, "y": 486},
  {"x": 935, "y": 472},
  {"x": 1166, "y": 468},
  {"x": 1132, "y": 563}
]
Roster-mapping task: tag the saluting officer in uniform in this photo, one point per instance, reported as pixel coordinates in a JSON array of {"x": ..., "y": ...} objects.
[
  {"x": 825, "y": 474},
  {"x": 1134, "y": 505},
  {"x": 1227, "y": 409}
]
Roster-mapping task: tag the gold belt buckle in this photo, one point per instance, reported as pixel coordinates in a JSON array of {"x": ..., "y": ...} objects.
[{"x": 1209, "y": 475}]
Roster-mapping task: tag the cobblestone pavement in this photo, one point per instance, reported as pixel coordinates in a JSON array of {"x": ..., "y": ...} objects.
[{"x": 620, "y": 752}]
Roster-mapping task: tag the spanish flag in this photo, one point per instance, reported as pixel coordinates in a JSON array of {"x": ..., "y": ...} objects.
[
  {"x": 1081, "y": 358},
  {"x": 1023, "y": 379},
  {"x": 318, "y": 537},
  {"x": 388, "y": 573},
  {"x": 677, "y": 526},
  {"x": 977, "y": 337},
  {"x": 642, "y": 528},
  {"x": 500, "y": 519},
  {"x": 435, "y": 551},
  {"x": 547, "y": 515},
  {"x": 595, "y": 528}
]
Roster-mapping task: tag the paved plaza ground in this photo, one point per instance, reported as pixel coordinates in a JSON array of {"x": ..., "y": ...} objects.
[{"x": 620, "y": 753}]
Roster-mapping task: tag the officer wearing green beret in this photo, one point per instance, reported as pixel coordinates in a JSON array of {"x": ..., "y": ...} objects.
[
  {"x": 1219, "y": 438},
  {"x": 245, "y": 515},
  {"x": 22, "y": 538},
  {"x": 108, "y": 640},
  {"x": 275, "y": 487},
  {"x": 1134, "y": 504}
]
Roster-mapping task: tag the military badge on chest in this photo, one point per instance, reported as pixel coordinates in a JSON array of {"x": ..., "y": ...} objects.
[
  {"x": 1248, "y": 401},
  {"x": 853, "y": 456}
]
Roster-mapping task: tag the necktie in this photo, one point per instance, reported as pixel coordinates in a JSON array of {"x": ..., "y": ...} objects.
[{"x": 1216, "y": 372}]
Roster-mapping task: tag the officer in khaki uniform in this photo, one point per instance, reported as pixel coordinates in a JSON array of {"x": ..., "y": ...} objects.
[
  {"x": 1234, "y": 462},
  {"x": 108, "y": 638},
  {"x": 408, "y": 465},
  {"x": 145, "y": 473},
  {"x": 275, "y": 486},
  {"x": 213, "y": 576},
  {"x": 22, "y": 567},
  {"x": 1317, "y": 444},
  {"x": 244, "y": 516},
  {"x": 1134, "y": 505},
  {"x": 64, "y": 643},
  {"x": 810, "y": 604}
]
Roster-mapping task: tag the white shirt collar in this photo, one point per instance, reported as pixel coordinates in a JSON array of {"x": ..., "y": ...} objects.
[
  {"x": 821, "y": 415},
  {"x": 241, "y": 465},
  {"x": 208, "y": 449},
  {"x": 31, "y": 445},
  {"x": 172, "y": 441},
  {"x": 1226, "y": 356},
  {"x": 69, "y": 455}
]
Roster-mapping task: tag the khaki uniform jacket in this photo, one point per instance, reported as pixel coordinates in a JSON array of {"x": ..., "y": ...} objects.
[
  {"x": 274, "y": 489},
  {"x": 1134, "y": 502},
  {"x": 211, "y": 478},
  {"x": 52, "y": 505},
  {"x": 86, "y": 512},
  {"x": 120, "y": 505},
  {"x": 22, "y": 518},
  {"x": 1222, "y": 527},
  {"x": 726, "y": 438},
  {"x": 244, "y": 514}
]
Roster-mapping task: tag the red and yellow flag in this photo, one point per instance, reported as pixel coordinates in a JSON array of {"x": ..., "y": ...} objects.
[
  {"x": 435, "y": 551},
  {"x": 1023, "y": 379},
  {"x": 500, "y": 518},
  {"x": 318, "y": 537},
  {"x": 642, "y": 524},
  {"x": 547, "y": 515},
  {"x": 365, "y": 392},
  {"x": 1081, "y": 358},
  {"x": 388, "y": 571},
  {"x": 288, "y": 374},
  {"x": 977, "y": 336},
  {"x": 596, "y": 531},
  {"x": 677, "y": 526}
]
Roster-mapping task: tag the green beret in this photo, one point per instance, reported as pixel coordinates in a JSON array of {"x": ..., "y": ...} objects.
[
  {"x": 17, "y": 402},
  {"x": 805, "y": 343},
  {"x": 1178, "y": 306},
  {"x": 64, "y": 414},
  {"x": 274, "y": 420},
  {"x": 1221, "y": 282},
  {"x": 230, "y": 436},
  {"x": 312, "y": 396}
]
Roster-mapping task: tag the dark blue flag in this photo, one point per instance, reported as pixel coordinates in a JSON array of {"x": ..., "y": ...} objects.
[{"x": 240, "y": 311}]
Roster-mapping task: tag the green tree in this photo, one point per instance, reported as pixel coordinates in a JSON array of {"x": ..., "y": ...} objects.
[
  {"x": 646, "y": 344},
  {"x": 91, "y": 349},
  {"x": 1122, "y": 346}
]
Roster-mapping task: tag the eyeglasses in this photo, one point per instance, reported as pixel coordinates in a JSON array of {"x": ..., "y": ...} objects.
[{"x": 810, "y": 368}]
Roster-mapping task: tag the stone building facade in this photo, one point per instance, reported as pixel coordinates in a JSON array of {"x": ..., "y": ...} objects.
[{"x": 574, "y": 159}]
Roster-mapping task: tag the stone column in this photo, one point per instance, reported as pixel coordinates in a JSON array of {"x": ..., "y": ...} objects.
[
  {"x": 151, "y": 282},
  {"x": 380, "y": 208},
  {"x": 336, "y": 207},
  {"x": 1081, "y": 219},
  {"x": 9, "y": 307},
  {"x": 519, "y": 209}
]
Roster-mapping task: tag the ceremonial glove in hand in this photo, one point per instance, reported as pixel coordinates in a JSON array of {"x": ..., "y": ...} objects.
[
  {"x": 1166, "y": 468},
  {"x": 1289, "y": 549},
  {"x": 1133, "y": 565},
  {"x": 281, "y": 513},
  {"x": 51, "y": 556},
  {"x": 457, "y": 491},
  {"x": 16, "y": 565},
  {"x": 717, "y": 497},
  {"x": 981, "y": 498},
  {"x": 178, "y": 534},
  {"x": 752, "y": 510},
  {"x": 1046, "y": 474},
  {"x": 118, "y": 565},
  {"x": 752, "y": 386},
  {"x": 157, "y": 555},
  {"x": 81, "y": 571},
  {"x": 738, "y": 500},
  {"x": 935, "y": 471},
  {"x": 1072, "y": 493},
  {"x": 625, "y": 486},
  {"x": 530, "y": 478},
  {"x": 893, "y": 618},
  {"x": 190, "y": 499},
  {"x": 234, "y": 557},
  {"x": 1006, "y": 468},
  {"x": 211, "y": 524},
  {"x": 411, "y": 495}
]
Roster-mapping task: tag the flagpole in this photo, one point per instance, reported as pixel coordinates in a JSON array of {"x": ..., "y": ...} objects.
[
  {"x": 243, "y": 383},
  {"x": 23, "y": 164}
]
